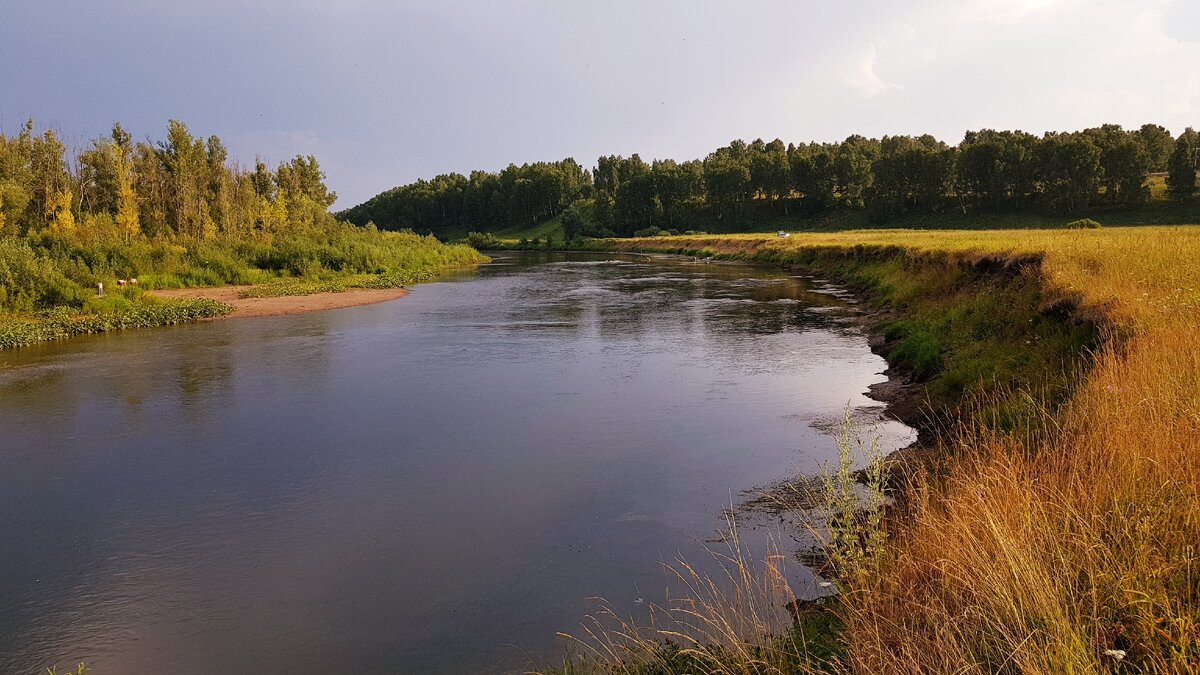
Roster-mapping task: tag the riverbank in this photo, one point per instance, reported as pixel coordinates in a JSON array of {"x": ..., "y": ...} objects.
[
  {"x": 1057, "y": 532},
  {"x": 50, "y": 281},
  {"x": 244, "y": 304}
]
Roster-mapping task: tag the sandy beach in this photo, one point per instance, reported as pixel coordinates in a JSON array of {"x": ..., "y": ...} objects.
[{"x": 287, "y": 304}]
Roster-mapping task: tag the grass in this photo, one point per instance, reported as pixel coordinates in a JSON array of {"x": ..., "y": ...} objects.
[
  {"x": 338, "y": 284},
  {"x": 550, "y": 229},
  {"x": 48, "y": 282},
  {"x": 62, "y": 322},
  {"x": 748, "y": 620},
  {"x": 736, "y": 623},
  {"x": 1056, "y": 551}
]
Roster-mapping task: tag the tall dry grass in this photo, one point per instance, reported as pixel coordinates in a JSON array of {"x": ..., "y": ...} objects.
[
  {"x": 1086, "y": 550},
  {"x": 1081, "y": 555}
]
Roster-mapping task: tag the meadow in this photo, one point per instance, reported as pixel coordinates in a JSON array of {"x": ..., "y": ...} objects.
[{"x": 1055, "y": 529}]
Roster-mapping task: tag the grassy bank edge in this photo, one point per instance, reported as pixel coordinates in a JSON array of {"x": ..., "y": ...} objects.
[
  {"x": 145, "y": 311},
  {"x": 974, "y": 334},
  {"x": 972, "y": 341},
  {"x": 61, "y": 323}
]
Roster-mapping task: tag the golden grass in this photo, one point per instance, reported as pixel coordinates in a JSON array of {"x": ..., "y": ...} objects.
[{"x": 1086, "y": 551}]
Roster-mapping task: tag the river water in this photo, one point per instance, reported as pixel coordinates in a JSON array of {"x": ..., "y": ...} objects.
[{"x": 435, "y": 484}]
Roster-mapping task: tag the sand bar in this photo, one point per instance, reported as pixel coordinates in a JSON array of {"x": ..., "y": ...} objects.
[{"x": 286, "y": 304}]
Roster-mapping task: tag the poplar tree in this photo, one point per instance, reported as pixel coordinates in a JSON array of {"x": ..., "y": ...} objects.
[
  {"x": 62, "y": 218},
  {"x": 128, "y": 219}
]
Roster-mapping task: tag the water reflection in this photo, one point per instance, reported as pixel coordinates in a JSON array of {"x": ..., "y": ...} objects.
[{"x": 422, "y": 482}]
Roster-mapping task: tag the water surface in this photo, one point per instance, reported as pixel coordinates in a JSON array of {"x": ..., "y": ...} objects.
[{"x": 435, "y": 484}]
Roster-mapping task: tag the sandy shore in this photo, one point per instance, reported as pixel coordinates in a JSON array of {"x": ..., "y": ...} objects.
[{"x": 287, "y": 304}]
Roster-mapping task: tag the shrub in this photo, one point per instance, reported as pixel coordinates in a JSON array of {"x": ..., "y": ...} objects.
[
  {"x": 31, "y": 281},
  {"x": 1083, "y": 224},
  {"x": 480, "y": 240},
  {"x": 59, "y": 272}
]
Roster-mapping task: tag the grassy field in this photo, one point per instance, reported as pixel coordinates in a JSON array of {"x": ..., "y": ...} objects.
[
  {"x": 551, "y": 229},
  {"x": 1071, "y": 548}
]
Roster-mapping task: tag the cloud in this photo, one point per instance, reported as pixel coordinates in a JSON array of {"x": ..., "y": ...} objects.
[
  {"x": 387, "y": 91},
  {"x": 865, "y": 77},
  {"x": 1011, "y": 11}
]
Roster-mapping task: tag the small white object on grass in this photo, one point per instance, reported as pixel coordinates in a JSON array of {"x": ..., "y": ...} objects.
[{"x": 1115, "y": 654}]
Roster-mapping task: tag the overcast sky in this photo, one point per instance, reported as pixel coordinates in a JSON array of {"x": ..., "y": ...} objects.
[{"x": 387, "y": 91}]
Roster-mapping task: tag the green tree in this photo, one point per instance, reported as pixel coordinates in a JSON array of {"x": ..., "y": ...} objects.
[
  {"x": 60, "y": 214},
  {"x": 1181, "y": 169},
  {"x": 910, "y": 174},
  {"x": 573, "y": 223},
  {"x": 727, "y": 180},
  {"x": 185, "y": 161},
  {"x": 128, "y": 219},
  {"x": 1158, "y": 144},
  {"x": 853, "y": 166},
  {"x": 812, "y": 175},
  {"x": 1069, "y": 171}
]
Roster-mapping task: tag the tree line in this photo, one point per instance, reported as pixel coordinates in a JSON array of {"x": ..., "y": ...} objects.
[
  {"x": 173, "y": 213},
  {"x": 515, "y": 197},
  {"x": 183, "y": 187},
  {"x": 988, "y": 171}
]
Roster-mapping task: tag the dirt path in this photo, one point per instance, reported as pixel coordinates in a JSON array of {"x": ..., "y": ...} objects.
[{"x": 287, "y": 304}]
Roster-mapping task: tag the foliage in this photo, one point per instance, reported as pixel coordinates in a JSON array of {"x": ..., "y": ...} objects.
[
  {"x": 174, "y": 214},
  {"x": 515, "y": 197},
  {"x": 63, "y": 322},
  {"x": 1083, "y": 224},
  {"x": 651, "y": 231},
  {"x": 482, "y": 240},
  {"x": 735, "y": 186},
  {"x": 1181, "y": 172}
]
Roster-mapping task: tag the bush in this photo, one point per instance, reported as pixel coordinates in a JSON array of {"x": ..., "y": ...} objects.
[
  {"x": 48, "y": 281},
  {"x": 479, "y": 240},
  {"x": 62, "y": 322},
  {"x": 31, "y": 281},
  {"x": 652, "y": 231},
  {"x": 1083, "y": 224},
  {"x": 574, "y": 225}
]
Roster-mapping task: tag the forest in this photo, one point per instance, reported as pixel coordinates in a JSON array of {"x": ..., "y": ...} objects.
[
  {"x": 173, "y": 213},
  {"x": 742, "y": 185}
]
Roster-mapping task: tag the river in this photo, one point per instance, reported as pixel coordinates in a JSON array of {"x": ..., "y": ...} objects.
[{"x": 434, "y": 484}]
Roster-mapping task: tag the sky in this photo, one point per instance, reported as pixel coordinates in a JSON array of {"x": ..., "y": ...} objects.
[{"x": 387, "y": 91}]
